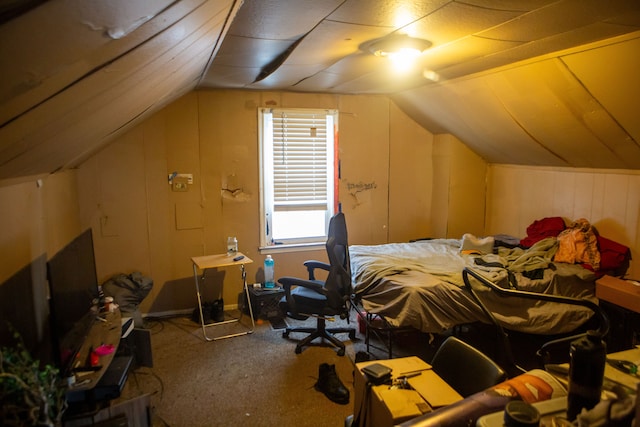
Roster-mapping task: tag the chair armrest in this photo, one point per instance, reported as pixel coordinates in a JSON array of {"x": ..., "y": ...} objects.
[
  {"x": 313, "y": 264},
  {"x": 288, "y": 282}
]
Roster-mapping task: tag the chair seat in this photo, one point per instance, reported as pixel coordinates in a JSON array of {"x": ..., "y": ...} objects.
[{"x": 309, "y": 301}]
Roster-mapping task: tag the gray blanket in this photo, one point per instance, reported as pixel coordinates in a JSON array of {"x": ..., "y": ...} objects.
[{"x": 420, "y": 285}]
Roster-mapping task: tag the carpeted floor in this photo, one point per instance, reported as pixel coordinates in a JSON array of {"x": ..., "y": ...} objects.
[{"x": 256, "y": 379}]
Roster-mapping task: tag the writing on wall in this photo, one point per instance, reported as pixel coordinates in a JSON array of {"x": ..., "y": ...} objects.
[{"x": 355, "y": 190}]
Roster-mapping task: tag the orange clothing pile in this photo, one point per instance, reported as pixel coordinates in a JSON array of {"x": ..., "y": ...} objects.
[{"x": 578, "y": 244}]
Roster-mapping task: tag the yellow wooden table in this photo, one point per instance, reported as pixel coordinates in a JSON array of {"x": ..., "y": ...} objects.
[{"x": 201, "y": 263}]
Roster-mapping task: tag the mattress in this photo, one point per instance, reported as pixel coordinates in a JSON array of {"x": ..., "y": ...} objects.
[{"x": 420, "y": 285}]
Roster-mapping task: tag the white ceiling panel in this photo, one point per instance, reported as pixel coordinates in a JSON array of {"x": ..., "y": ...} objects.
[
  {"x": 558, "y": 18},
  {"x": 455, "y": 21},
  {"x": 280, "y": 19},
  {"x": 229, "y": 77},
  {"x": 469, "y": 53},
  {"x": 385, "y": 13},
  {"x": 517, "y": 6},
  {"x": 332, "y": 41},
  {"x": 251, "y": 53}
]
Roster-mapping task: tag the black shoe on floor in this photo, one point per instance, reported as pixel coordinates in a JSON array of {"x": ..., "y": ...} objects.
[{"x": 329, "y": 383}]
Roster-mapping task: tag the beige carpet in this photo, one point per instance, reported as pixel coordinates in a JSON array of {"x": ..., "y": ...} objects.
[{"x": 252, "y": 380}]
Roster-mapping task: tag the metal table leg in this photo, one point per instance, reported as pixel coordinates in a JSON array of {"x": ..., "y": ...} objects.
[{"x": 206, "y": 325}]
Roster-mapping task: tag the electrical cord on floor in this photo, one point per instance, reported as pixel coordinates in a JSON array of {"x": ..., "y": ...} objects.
[
  {"x": 154, "y": 324},
  {"x": 160, "y": 393}
]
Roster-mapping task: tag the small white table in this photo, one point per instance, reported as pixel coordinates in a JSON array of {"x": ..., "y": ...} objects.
[{"x": 201, "y": 263}]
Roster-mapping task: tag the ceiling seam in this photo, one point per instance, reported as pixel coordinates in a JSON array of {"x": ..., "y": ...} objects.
[
  {"x": 597, "y": 101},
  {"x": 233, "y": 10},
  {"x": 273, "y": 65},
  {"x": 524, "y": 129}
]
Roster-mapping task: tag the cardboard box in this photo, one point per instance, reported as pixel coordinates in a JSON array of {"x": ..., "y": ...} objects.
[
  {"x": 619, "y": 292},
  {"x": 385, "y": 407}
]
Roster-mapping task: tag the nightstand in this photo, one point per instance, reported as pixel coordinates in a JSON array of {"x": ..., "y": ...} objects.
[
  {"x": 264, "y": 302},
  {"x": 620, "y": 300}
]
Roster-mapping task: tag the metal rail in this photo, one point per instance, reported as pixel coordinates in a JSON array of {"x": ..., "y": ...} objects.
[{"x": 602, "y": 330}]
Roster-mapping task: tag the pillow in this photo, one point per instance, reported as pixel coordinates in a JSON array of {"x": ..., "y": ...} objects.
[{"x": 472, "y": 244}]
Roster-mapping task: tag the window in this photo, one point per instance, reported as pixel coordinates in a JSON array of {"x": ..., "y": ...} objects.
[{"x": 297, "y": 170}]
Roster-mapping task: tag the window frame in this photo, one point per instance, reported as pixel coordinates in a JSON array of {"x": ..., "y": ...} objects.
[{"x": 268, "y": 205}]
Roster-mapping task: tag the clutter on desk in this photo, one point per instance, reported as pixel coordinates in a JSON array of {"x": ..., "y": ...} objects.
[
  {"x": 618, "y": 412},
  {"x": 410, "y": 390},
  {"x": 521, "y": 414},
  {"x": 531, "y": 387},
  {"x": 588, "y": 356},
  {"x": 616, "y": 405}
]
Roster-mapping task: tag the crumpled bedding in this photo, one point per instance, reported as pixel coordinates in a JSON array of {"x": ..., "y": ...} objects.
[{"x": 420, "y": 285}]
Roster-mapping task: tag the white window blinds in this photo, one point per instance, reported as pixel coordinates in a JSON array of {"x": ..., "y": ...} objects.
[
  {"x": 301, "y": 159},
  {"x": 297, "y": 174}
]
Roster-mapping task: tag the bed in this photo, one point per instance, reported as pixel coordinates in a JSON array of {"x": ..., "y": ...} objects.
[{"x": 420, "y": 285}]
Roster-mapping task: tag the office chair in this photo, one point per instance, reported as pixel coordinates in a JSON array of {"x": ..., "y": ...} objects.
[
  {"x": 323, "y": 300},
  {"x": 466, "y": 368}
]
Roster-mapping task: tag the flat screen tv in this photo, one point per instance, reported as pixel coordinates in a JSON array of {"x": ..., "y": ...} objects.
[{"x": 73, "y": 286}]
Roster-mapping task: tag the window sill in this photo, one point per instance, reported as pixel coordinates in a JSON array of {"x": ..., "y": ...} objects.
[{"x": 301, "y": 247}]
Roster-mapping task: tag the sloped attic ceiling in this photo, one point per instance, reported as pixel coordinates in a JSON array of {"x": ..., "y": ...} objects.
[
  {"x": 577, "y": 109},
  {"x": 540, "y": 82},
  {"x": 534, "y": 82},
  {"x": 75, "y": 73}
]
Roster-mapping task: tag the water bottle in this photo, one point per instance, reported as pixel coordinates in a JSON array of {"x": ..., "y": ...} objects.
[
  {"x": 268, "y": 272},
  {"x": 232, "y": 246},
  {"x": 586, "y": 373}
]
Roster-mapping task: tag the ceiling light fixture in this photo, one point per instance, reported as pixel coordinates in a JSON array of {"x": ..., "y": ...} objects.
[
  {"x": 401, "y": 49},
  {"x": 398, "y": 44}
]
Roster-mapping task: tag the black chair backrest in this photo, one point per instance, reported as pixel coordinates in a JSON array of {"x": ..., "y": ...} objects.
[
  {"x": 338, "y": 281},
  {"x": 466, "y": 368}
]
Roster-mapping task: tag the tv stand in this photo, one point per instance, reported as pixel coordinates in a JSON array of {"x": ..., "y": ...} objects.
[{"x": 94, "y": 386}]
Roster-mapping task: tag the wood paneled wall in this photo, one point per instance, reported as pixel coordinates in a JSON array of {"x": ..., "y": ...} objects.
[
  {"x": 398, "y": 182},
  {"x": 608, "y": 199},
  {"x": 385, "y": 188}
]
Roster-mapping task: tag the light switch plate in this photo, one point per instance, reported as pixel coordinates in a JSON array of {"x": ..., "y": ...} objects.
[{"x": 180, "y": 184}]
